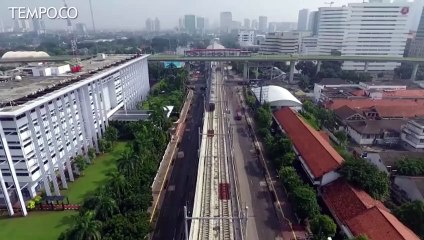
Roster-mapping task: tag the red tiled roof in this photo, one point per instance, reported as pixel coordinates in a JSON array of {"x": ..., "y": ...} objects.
[
  {"x": 318, "y": 154},
  {"x": 362, "y": 214},
  {"x": 325, "y": 136},
  {"x": 367, "y": 103},
  {"x": 347, "y": 201},
  {"x": 399, "y": 111},
  {"x": 379, "y": 224},
  {"x": 408, "y": 93}
]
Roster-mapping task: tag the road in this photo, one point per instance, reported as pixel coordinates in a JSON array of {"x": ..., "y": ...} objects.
[
  {"x": 262, "y": 222},
  {"x": 182, "y": 182}
]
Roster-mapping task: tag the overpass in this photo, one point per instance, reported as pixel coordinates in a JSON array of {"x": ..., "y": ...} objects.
[{"x": 292, "y": 59}]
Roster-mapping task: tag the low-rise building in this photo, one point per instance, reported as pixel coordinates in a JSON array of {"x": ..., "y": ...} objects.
[
  {"x": 407, "y": 189},
  {"x": 318, "y": 158},
  {"x": 379, "y": 132},
  {"x": 357, "y": 213},
  {"x": 413, "y": 135},
  {"x": 246, "y": 37},
  {"x": 283, "y": 43}
]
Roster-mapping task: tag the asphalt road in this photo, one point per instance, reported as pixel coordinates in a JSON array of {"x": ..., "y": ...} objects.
[
  {"x": 182, "y": 183},
  {"x": 262, "y": 222}
]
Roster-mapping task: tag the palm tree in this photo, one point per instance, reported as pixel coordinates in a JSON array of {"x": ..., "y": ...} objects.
[
  {"x": 103, "y": 205},
  {"x": 84, "y": 227},
  {"x": 117, "y": 183},
  {"x": 126, "y": 164}
]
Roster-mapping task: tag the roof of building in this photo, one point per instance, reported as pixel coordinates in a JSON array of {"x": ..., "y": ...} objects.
[
  {"x": 378, "y": 224},
  {"x": 277, "y": 96},
  {"x": 362, "y": 214},
  {"x": 24, "y": 54},
  {"x": 408, "y": 93},
  {"x": 390, "y": 157},
  {"x": 333, "y": 81},
  {"x": 346, "y": 201},
  {"x": 215, "y": 45},
  {"x": 18, "y": 93},
  {"x": 377, "y": 126},
  {"x": 344, "y": 112},
  {"x": 413, "y": 186},
  {"x": 318, "y": 154},
  {"x": 399, "y": 111},
  {"x": 367, "y": 103}
]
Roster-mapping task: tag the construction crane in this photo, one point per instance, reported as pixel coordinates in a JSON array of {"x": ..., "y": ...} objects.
[
  {"x": 76, "y": 62},
  {"x": 330, "y": 3}
]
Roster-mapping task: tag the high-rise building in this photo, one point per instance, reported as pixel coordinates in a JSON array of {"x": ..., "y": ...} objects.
[
  {"x": 377, "y": 28},
  {"x": 149, "y": 25},
  {"x": 226, "y": 22},
  {"x": 21, "y": 25},
  {"x": 81, "y": 29},
  {"x": 200, "y": 25},
  {"x": 302, "y": 21},
  {"x": 2, "y": 30},
  {"x": 246, "y": 37},
  {"x": 313, "y": 22},
  {"x": 207, "y": 24},
  {"x": 190, "y": 24},
  {"x": 417, "y": 45},
  {"x": 263, "y": 24},
  {"x": 255, "y": 24},
  {"x": 156, "y": 25},
  {"x": 331, "y": 29},
  {"x": 43, "y": 131},
  {"x": 181, "y": 24},
  {"x": 236, "y": 25},
  {"x": 283, "y": 43},
  {"x": 246, "y": 24}
]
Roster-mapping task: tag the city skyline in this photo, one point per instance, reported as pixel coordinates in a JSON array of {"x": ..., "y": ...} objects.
[{"x": 134, "y": 17}]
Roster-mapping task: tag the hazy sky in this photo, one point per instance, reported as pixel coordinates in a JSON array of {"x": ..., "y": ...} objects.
[{"x": 131, "y": 14}]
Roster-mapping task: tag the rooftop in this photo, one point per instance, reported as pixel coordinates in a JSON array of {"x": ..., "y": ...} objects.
[
  {"x": 17, "y": 93},
  {"x": 367, "y": 103},
  {"x": 377, "y": 126},
  {"x": 333, "y": 81},
  {"x": 277, "y": 96},
  {"x": 408, "y": 93},
  {"x": 318, "y": 154},
  {"x": 344, "y": 112},
  {"x": 362, "y": 214}
]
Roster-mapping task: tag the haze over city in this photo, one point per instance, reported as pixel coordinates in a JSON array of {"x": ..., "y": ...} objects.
[{"x": 133, "y": 13}]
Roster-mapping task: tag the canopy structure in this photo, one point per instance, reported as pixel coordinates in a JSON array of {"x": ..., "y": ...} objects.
[
  {"x": 24, "y": 55},
  {"x": 276, "y": 96},
  {"x": 215, "y": 45}
]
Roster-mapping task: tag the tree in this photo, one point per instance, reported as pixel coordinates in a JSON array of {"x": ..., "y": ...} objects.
[
  {"x": 366, "y": 176},
  {"x": 307, "y": 68},
  {"x": 81, "y": 163},
  {"x": 132, "y": 226},
  {"x": 287, "y": 159},
  {"x": 264, "y": 116},
  {"x": 91, "y": 154},
  {"x": 410, "y": 167},
  {"x": 412, "y": 215},
  {"x": 323, "y": 227},
  {"x": 116, "y": 184},
  {"x": 103, "y": 206},
  {"x": 305, "y": 202},
  {"x": 128, "y": 164},
  {"x": 84, "y": 227},
  {"x": 289, "y": 178},
  {"x": 104, "y": 145},
  {"x": 111, "y": 134}
]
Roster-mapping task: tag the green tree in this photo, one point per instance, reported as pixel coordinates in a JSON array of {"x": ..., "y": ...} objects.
[
  {"x": 111, "y": 134},
  {"x": 307, "y": 68},
  {"x": 305, "y": 202},
  {"x": 128, "y": 164},
  {"x": 288, "y": 158},
  {"x": 81, "y": 163},
  {"x": 290, "y": 179},
  {"x": 410, "y": 167},
  {"x": 412, "y": 215},
  {"x": 366, "y": 176},
  {"x": 264, "y": 116},
  {"x": 103, "y": 206},
  {"x": 91, "y": 154},
  {"x": 105, "y": 145},
  {"x": 84, "y": 227},
  {"x": 322, "y": 227},
  {"x": 117, "y": 184},
  {"x": 131, "y": 226}
]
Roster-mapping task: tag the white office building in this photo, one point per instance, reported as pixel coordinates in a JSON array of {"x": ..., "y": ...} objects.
[
  {"x": 46, "y": 121},
  {"x": 331, "y": 29},
  {"x": 246, "y": 37},
  {"x": 374, "y": 28},
  {"x": 377, "y": 28},
  {"x": 287, "y": 43},
  {"x": 302, "y": 21}
]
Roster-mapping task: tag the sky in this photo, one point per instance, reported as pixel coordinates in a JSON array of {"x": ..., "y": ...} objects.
[{"x": 132, "y": 14}]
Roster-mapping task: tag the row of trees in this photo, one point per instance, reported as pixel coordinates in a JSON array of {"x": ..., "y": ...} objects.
[
  {"x": 302, "y": 196},
  {"x": 322, "y": 117},
  {"x": 412, "y": 215},
  {"x": 118, "y": 209},
  {"x": 410, "y": 167}
]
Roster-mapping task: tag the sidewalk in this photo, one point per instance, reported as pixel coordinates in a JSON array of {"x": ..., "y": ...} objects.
[
  {"x": 165, "y": 167},
  {"x": 290, "y": 227}
]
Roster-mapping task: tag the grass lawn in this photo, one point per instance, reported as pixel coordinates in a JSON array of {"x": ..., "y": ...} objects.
[{"x": 49, "y": 225}]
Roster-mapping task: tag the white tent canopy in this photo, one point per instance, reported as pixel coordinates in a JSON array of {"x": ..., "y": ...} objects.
[
  {"x": 276, "y": 96},
  {"x": 24, "y": 54}
]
